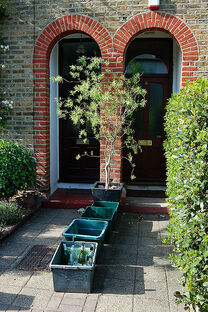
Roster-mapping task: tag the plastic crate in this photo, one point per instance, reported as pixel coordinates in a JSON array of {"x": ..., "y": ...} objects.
[
  {"x": 104, "y": 214},
  {"x": 72, "y": 278},
  {"x": 99, "y": 213},
  {"x": 105, "y": 204},
  {"x": 86, "y": 230}
]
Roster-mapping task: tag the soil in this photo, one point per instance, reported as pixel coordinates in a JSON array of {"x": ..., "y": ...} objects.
[{"x": 28, "y": 201}]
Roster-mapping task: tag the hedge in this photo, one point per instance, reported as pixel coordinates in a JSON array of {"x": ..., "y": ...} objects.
[{"x": 186, "y": 150}]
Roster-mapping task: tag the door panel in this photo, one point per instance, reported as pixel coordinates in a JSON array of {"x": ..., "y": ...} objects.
[
  {"x": 148, "y": 125},
  {"x": 155, "y": 110},
  {"x": 86, "y": 169}
]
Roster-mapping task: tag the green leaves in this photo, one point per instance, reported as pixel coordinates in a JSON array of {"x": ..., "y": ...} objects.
[
  {"x": 17, "y": 168},
  {"x": 103, "y": 108},
  {"x": 187, "y": 183},
  {"x": 58, "y": 79},
  {"x": 10, "y": 213}
]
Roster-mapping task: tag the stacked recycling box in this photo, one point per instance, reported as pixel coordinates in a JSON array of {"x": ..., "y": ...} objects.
[
  {"x": 95, "y": 223},
  {"x": 91, "y": 230}
]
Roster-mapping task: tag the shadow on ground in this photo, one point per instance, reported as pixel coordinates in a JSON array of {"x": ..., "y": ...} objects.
[{"x": 126, "y": 262}]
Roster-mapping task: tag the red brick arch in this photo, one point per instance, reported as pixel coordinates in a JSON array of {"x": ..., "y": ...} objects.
[
  {"x": 44, "y": 44},
  {"x": 162, "y": 22}
]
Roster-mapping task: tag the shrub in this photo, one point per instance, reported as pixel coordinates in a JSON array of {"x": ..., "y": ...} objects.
[
  {"x": 17, "y": 168},
  {"x": 10, "y": 213},
  {"x": 186, "y": 149}
]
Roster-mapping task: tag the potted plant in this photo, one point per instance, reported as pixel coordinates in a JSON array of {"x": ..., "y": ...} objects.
[{"x": 107, "y": 105}]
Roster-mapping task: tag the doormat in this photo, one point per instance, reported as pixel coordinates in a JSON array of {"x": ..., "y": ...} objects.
[{"x": 37, "y": 258}]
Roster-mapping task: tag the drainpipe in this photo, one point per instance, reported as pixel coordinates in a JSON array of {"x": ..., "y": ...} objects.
[{"x": 153, "y": 4}]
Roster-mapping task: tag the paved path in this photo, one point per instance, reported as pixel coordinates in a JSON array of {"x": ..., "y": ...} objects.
[{"x": 132, "y": 275}]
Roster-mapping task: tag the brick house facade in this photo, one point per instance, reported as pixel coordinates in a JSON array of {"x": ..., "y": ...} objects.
[{"x": 35, "y": 29}]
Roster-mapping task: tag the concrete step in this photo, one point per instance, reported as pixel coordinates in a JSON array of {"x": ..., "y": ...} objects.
[
  {"x": 146, "y": 205},
  {"x": 153, "y": 191}
]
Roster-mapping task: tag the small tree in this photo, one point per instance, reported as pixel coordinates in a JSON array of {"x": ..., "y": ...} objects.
[{"x": 108, "y": 107}]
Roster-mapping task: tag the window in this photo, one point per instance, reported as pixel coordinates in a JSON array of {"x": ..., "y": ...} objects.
[{"x": 146, "y": 64}]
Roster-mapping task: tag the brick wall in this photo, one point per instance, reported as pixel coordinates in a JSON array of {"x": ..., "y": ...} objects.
[{"x": 35, "y": 26}]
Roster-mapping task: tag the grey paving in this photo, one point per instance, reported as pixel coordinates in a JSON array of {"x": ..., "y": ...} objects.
[{"x": 132, "y": 274}]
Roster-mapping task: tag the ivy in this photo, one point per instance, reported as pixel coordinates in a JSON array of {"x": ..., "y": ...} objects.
[{"x": 186, "y": 149}]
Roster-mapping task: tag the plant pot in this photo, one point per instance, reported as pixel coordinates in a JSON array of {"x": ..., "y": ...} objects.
[
  {"x": 113, "y": 194},
  {"x": 72, "y": 278}
]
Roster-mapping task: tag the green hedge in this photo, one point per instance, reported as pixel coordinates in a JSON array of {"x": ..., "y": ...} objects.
[
  {"x": 17, "y": 168},
  {"x": 186, "y": 125}
]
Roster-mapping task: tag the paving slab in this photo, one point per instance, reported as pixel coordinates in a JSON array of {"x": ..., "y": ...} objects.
[
  {"x": 14, "y": 278},
  {"x": 112, "y": 303},
  {"x": 125, "y": 240},
  {"x": 33, "y": 298},
  {"x": 8, "y": 293},
  {"x": 55, "y": 301},
  {"x": 150, "y": 273},
  {"x": 151, "y": 290},
  {"x": 7, "y": 248},
  {"x": 150, "y": 305},
  {"x": 40, "y": 280},
  {"x": 70, "y": 308},
  {"x": 7, "y": 261},
  {"x": 90, "y": 303},
  {"x": 118, "y": 287},
  {"x": 124, "y": 272}
]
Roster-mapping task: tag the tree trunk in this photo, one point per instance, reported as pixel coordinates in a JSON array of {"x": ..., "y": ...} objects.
[{"x": 107, "y": 175}]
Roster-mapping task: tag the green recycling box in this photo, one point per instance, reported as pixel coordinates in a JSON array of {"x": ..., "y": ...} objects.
[
  {"x": 73, "y": 277},
  {"x": 86, "y": 230},
  {"x": 106, "y": 204},
  {"x": 102, "y": 213}
]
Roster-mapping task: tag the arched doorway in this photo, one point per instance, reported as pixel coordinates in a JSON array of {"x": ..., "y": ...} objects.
[
  {"x": 184, "y": 59},
  {"x": 153, "y": 59},
  {"x": 45, "y": 60}
]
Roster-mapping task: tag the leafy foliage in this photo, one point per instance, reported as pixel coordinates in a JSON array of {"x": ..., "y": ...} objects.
[
  {"x": 107, "y": 106},
  {"x": 10, "y": 213},
  {"x": 17, "y": 168},
  {"x": 187, "y": 188}
]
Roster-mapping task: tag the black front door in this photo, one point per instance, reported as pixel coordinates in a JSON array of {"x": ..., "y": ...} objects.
[
  {"x": 86, "y": 169},
  {"x": 149, "y": 132}
]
